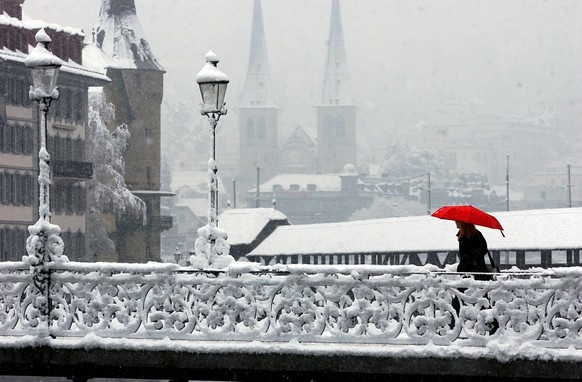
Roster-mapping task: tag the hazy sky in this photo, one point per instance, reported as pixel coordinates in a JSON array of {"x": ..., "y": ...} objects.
[{"x": 405, "y": 56}]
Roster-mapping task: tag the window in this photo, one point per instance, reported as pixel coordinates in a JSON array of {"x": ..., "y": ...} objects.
[
  {"x": 68, "y": 148},
  {"x": 10, "y": 188},
  {"x": 327, "y": 127},
  {"x": 26, "y": 142},
  {"x": 17, "y": 189},
  {"x": 262, "y": 130},
  {"x": 68, "y": 104},
  {"x": 250, "y": 129},
  {"x": 2, "y": 187},
  {"x": 17, "y": 140},
  {"x": 2, "y": 131},
  {"x": 340, "y": 129},
  {"x": 9, "y": 138},
  {"x": 79, "y": 109}
]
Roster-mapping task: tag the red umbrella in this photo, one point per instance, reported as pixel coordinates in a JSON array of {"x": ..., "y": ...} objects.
[{"x": 468, "y": 214}]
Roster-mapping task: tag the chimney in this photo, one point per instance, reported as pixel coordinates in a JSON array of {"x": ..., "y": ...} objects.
[{"x": 12, "y": 7}]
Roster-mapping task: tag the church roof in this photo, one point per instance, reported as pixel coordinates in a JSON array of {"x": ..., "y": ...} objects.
[
  {"x": 337, "y": 88},
  {"x": 120, "y": 36},
  {"x": 300, "y": 136},
  {"x": 257, "y": 90}
]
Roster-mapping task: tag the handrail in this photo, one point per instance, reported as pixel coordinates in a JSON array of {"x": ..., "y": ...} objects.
[{"x": 343, "y": 304}]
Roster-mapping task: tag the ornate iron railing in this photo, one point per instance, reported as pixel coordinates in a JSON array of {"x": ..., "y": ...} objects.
[{"x": 344, "y": 304}]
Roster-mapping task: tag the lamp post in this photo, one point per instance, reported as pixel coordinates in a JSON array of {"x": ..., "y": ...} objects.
[
  {"x": 211, "y": 242},
  {"x": 44, "y": 244}
]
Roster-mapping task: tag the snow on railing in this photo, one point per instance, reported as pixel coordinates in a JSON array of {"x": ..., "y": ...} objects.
[{"x": 311, "y": 303}]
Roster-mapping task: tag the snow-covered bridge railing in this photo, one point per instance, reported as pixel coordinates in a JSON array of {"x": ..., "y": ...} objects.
[{"x": 335, "y": 304}]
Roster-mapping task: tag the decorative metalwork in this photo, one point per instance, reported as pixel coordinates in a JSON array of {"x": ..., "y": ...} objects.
[{"x": 380, "y": 305}]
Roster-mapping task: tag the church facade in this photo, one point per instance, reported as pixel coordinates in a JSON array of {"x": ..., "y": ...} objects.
[{"x": 335, "y": 143}]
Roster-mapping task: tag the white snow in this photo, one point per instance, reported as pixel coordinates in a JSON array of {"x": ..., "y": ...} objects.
[
  {"x": 40, "y": 56},
  {"x": 210, "y": 72},
  {"x": 244, "y": 224},
  {"x": 95, "y": 59},
  {"x": 382, "y": 311},
  {"x": 26, "y": 23},
  {"x": 526, "y": 230},
  {"x": 121, "y": 37}
]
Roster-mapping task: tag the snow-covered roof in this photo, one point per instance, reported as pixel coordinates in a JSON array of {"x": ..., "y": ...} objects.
[
  {"x": 68, "y": 67},
  {"x": 527, "y": 230},
  {"x": 243, "y": 225},
  {"x": 96, "y": 59},
  {"x": 120, "y": 36},
  {"x": 324, "y": 182},
  {"x": 6, "y": 19}
]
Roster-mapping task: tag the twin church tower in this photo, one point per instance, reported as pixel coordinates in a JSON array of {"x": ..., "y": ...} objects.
[{"x": 335, "y": 144}]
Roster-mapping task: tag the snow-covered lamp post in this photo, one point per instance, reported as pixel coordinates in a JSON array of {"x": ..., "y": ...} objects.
[
  {"x": 211, "y": 248},
  {"x": 44, "y": 244}
]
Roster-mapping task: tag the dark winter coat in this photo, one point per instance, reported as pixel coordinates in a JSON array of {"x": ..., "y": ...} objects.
[{"x": 472, "y": 251}]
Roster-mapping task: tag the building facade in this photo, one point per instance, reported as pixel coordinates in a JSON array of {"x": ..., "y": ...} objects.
[{"x": 19, "y": 135}]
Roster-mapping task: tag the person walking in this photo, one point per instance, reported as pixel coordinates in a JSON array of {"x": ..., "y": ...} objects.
[{"x": 472, "y": 251}]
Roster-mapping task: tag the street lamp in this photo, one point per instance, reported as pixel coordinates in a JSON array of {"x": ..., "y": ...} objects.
[
  {"x": 44, "y": 67},
  {"x": 211, "y": 243},
  {"x": 44, "y": 243}
]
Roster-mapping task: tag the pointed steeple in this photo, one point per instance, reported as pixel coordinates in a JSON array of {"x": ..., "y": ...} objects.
[
  {"x": 120, "y": 36},
  {"x": 257, "y": 90},
  {"x": 337, "y": 88}
]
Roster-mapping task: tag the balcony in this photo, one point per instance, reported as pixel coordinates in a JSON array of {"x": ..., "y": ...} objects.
[
  {"x": 75, "y": 170},
  {"x": 160, "y": 223}
]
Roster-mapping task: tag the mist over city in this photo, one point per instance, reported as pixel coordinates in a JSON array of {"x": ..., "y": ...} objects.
[
  {"x": 407, "y": 60},
  {"x": 298, "y": 190}
]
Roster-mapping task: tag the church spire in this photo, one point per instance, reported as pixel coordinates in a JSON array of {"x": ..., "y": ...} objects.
[
  {"x": 120, "y": 36},
  {"x": 336, "y": 83},
  {"x": 257, "y": 90}
]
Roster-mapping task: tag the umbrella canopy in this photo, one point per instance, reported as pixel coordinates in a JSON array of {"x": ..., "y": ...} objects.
[{"x": 468, "y": 214}]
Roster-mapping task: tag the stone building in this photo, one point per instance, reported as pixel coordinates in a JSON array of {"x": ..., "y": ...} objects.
[
  {"x": 313, "y": 198},
  {"x": 19, "y": 134},
  {"x": 136, "y": 90}
]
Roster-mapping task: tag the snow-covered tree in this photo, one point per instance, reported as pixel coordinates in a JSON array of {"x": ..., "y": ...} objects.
[
  {"x": 389, "y": 207},
  {"x": 165, "y": 183},
  {"x": 403, "y": 160},
  {"x": 107, "y": 192}
]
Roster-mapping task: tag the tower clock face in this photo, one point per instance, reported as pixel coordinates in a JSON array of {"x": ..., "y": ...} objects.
[{"x": 295, "y": 157}]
